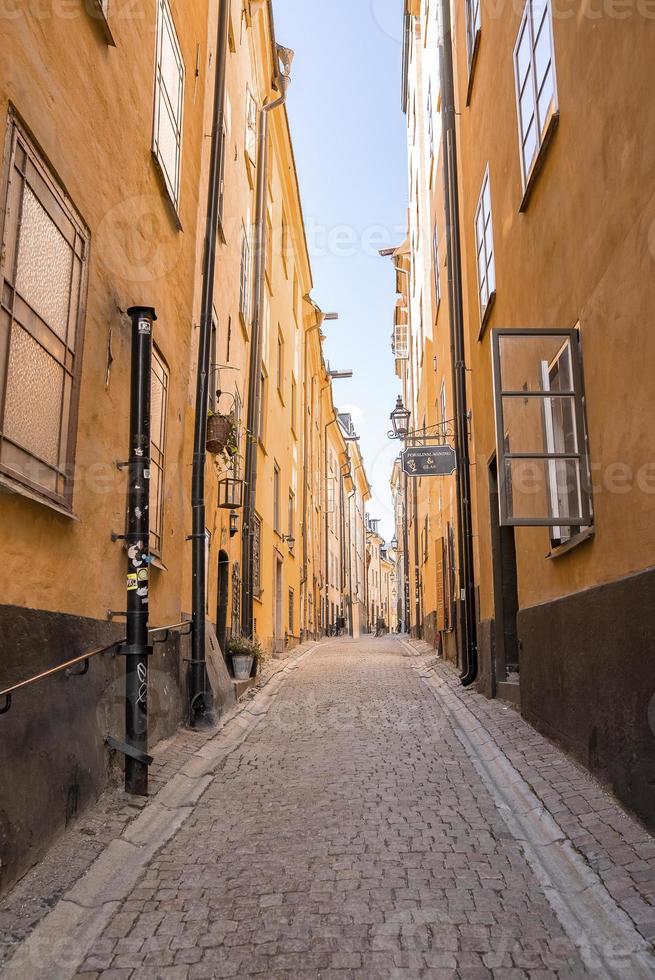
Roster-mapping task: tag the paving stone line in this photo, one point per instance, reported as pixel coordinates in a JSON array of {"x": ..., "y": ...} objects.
[
  {"x": 608, "y": 941},
  {"x": 59, "y": 944}
]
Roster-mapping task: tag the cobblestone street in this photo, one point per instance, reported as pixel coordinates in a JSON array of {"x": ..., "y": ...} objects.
[{"x": 356, "y": 831}]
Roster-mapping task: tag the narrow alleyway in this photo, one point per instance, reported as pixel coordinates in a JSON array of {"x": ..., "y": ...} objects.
[{"x": 356, "y": 833}]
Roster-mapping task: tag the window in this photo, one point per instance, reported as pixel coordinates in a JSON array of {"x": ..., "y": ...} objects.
[
  {"x": 435, "y": 262},
  {"x": 291, "y": 611},
  {"x": 543, "y": 468},
  {"x": 534, "y": 70},
  {"x": 285, "y": 242},
  {"x": 484, "y": 244},
  {"x": 159, "y": 405},
  {"x": 213, "y": 368},
  {"x": 251, "y": 127},
  {"x": 229, "y": 339},
  {"x": 473, "y": 27},
  {"x": 169, "y": 102},
  {"x": 276, "y": 498},
  {"x": 442, "y": 401},
  {"x": 401, "y": 332},
  {"x": 263, "y": 398},
  {"x": 280, "y": 363},
  {"x": 430, "y": 123},
  {"x": 244, "y": 294},
  {"x": 221, "y": 178},
  {"x": 43, "y": 268},
  {"x": 291, "y": 514},
  {"x": 256, "y": 555},
  {"x": 238, "y": 415},
  {"x": 294, "y": 404}
]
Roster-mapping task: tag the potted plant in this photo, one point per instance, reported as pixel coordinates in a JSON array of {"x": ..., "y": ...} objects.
[
  {"x": 221, "y": 433},
  {"x": 244, "y": 653}
]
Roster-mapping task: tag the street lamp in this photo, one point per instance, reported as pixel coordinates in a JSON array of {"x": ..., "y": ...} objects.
[
  {"x": 394, "y": 543},
  {"x": 399, "y": 420}
]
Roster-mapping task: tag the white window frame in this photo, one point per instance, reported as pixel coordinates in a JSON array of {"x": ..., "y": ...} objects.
[
  {"x": 482, "y": 250},
  {"x": 542, "y": 119},
  {"x": 163, "y": 101}
]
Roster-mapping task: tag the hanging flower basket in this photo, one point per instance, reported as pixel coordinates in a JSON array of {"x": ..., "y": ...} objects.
[{"x": 220, "y": 433}]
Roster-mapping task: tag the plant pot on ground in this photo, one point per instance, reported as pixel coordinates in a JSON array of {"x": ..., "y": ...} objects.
[
  {"x": 221, "y": 431},
  {"x": 244, "y": 653}
]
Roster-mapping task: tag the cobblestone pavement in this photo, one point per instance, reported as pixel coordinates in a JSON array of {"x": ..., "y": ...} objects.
[{"x": 354, "y": 834}]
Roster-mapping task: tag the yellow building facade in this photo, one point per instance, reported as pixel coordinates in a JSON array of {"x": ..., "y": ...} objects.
[{"x": 104, "y": 207}]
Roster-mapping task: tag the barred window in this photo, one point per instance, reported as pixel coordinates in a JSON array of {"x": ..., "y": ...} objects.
[
  {"x": 43, "y": 272},
  {"x": 291, "y": 611},
  {"x": 256, "y": 555},
  {"x": 159, "y": 405},
  {"x": 169, "y": 102}
]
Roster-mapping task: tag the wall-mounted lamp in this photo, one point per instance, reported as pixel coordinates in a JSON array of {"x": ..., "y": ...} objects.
[
  {"x": 234, "y": 523},
  {"x": 230, "y": 493}
]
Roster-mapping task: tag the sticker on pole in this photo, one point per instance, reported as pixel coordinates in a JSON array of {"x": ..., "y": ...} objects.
[
  {"x": 429, "y": 460},
  {"x": 132, "y": 584},
  {"x": 144, "y": 326}
]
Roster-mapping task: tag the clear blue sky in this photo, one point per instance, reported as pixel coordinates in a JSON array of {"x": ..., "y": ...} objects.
[{"x": 350, "y": 145}]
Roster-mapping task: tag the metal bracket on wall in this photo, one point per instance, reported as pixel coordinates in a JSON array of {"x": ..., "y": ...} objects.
[
  {"x": 6, "y": 704},
  {"x": 115, "y": 614},
  {"x": 167, "y": 632},
  {"x": 115, "y": 743},
  {"x": 71, "y": 672}
]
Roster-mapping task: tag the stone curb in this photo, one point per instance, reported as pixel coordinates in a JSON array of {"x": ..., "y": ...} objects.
[
  {"x": 60, "y": 942},
  {"x": 607, "y": 940}
]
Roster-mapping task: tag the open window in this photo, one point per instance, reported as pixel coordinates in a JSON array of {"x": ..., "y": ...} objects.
[{"x": 543, "y": 466}]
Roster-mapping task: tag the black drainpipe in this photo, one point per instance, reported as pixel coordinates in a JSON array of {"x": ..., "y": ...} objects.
[
  {"x": 254, "y": 373},
  {"x": 467, "y": 616},
  {"x": 199, "y": 697}
]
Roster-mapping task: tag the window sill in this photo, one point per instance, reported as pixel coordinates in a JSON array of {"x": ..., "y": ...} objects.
[
  {"x": 563, "y": 549},
  {"x": 20, "y": 490},
  {"x": 539, "y": 160},
  {"x": 258, "y": 596},
  {"x": 472, "y": 63},
  {"x": 156, "y": 562},
  {"x": 244, "y": 325},
  {"x": 97, "y": 14},
  {"x": 486, "y": 315},
  {"x": 281, "y": 397},
  {"x": 171, "y": 206}
]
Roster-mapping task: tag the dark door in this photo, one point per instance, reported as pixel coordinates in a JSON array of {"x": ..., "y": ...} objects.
[
  {"x": 223, "y": 588},
  {"x": 506, "y": 598}
]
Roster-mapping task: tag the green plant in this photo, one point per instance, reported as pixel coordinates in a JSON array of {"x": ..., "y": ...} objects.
[{"x": 241, "y": 646}]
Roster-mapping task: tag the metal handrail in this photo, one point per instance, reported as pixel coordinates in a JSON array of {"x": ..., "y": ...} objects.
[{"x": 84, "y": 659}]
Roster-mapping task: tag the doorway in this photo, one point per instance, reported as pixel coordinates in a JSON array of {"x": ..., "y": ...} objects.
[
  {"x": 279, "y": 627},
  {"x": 505, "y": 671},
  {"x": 222, "y": 599}
]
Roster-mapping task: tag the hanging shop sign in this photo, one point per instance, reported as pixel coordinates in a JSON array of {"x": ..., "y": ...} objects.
[{"x": 429, "y": 461}]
